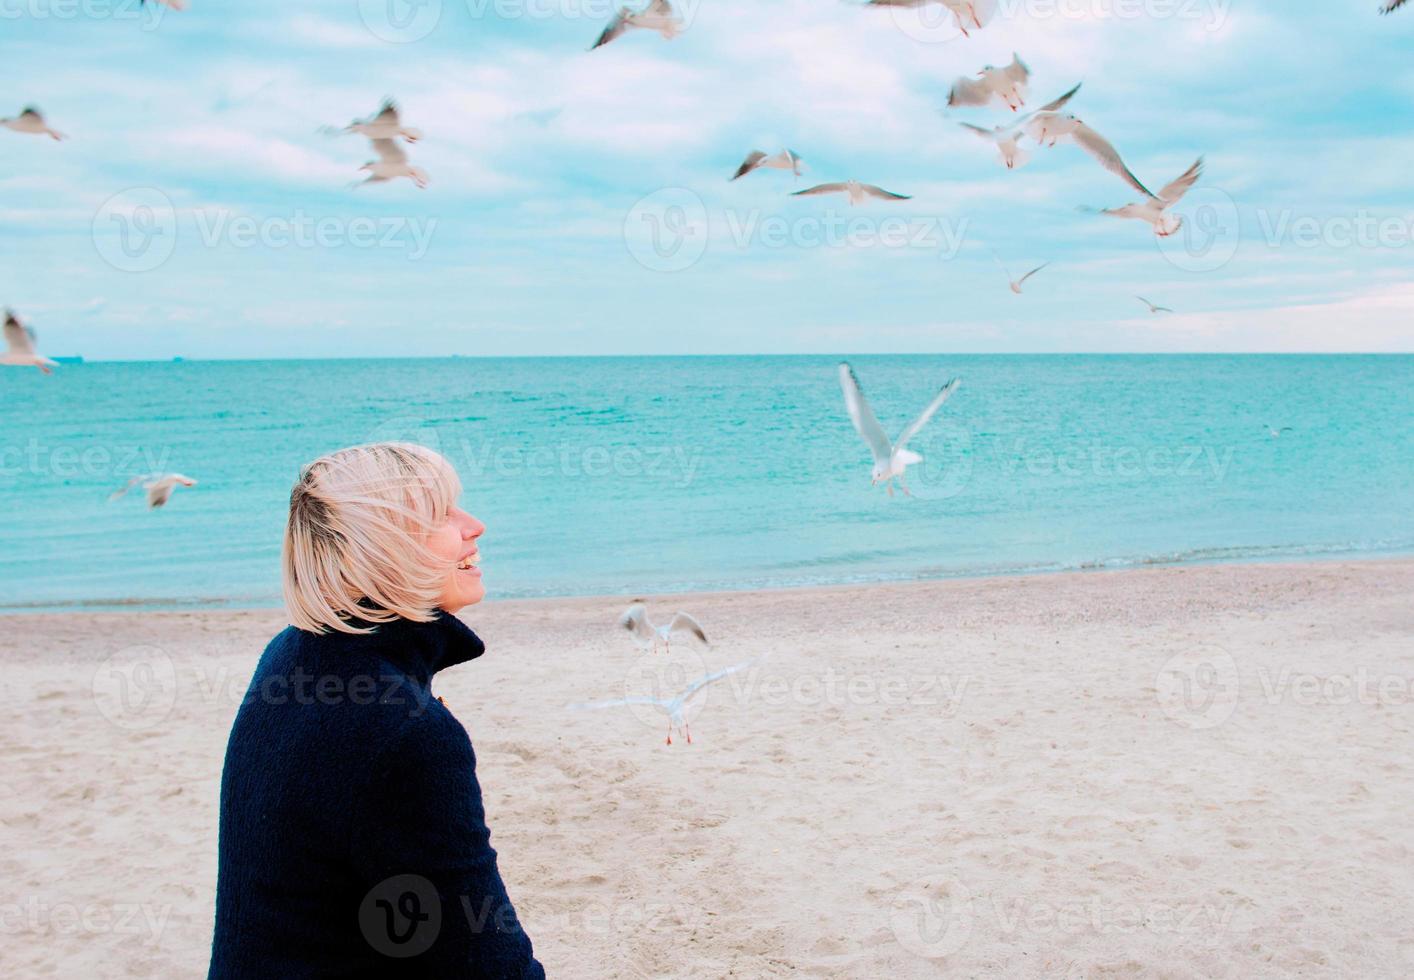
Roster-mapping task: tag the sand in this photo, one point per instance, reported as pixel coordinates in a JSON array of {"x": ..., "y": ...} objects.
[{"x": 1202, "y": 771}]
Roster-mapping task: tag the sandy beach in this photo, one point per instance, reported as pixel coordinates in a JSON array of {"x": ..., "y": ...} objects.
[{"x": 1202, "y": 771}]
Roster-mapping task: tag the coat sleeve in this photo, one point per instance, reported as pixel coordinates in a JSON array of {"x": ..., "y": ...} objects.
[{"x": 420, "y": 836}]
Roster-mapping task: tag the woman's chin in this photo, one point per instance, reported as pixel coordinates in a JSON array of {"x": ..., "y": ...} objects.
[{"x": 463, "y": 594}]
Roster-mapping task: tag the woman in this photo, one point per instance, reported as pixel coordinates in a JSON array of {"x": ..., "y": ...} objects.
[{"x": 353, "y": 841}]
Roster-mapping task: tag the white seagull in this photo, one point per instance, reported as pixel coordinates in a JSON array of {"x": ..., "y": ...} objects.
[
  {"x": 976, "y": 13},
  {"x": 857, "y": 191},
  {"x": 384, "y": 125},
  {"x": 1154, "y": 209},
  {"x": 19, "y": 346},
  {"x": 645, "y": 634},
  {"x": 657, "y": 16},
  {"x": 1152, "y": 307},
  {"x": 1276, "y": 433},
  {"x": 1047, "y": 128},
  {"x": 1016, "y": 283},
  {"x": 392, "y": 162},
  {"x": 1005, "y": 137},
  {"x": 755, "y": 160},
  {"x": 31, "y": 121},
  {"x": 1007, "y": 84},
  {"x": 673, "y": 706},
  {"x": 890, "y": 459},
  {"x": 159, "y": 487}
]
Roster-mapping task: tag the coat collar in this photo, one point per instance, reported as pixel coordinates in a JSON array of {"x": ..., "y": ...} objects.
[{"x": 421, "y": 648}]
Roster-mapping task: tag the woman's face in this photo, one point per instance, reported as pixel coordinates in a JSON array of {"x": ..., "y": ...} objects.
[{"x": 455, "y": 541}]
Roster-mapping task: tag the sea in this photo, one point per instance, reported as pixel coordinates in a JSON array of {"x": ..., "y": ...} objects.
[{"x": 638, "y": 475}]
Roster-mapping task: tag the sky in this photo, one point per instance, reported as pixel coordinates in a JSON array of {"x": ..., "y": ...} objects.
[{"x": 579, "y": 203}]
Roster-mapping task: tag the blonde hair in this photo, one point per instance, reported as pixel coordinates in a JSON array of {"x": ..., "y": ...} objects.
[{"x": 355, "y": 546}]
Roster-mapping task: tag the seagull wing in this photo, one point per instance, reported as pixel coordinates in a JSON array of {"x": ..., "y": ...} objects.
[
  {"x": 160, "y": 492},
  {"x": 943, "y": 394},
  {"x": 702, "y": 682},
  {"x": 661, "y": 8},
  {"x": 1176, "y": 188},
  {"x": 1017, "y": 71},
  {"x": 682, "y": 621},
  {"x": 752, "y": 161},
  {"x": 389, "y": 151},
  {"x": 1101, "y": 149},
  {"x": 1032, "y": 273},
  {"x": 873, "y": 191},
  {"x": 128, "y": 486},
  {"x": 970, "y": 91},
  {"x": 982, "y": 131},
  {"x": 1060, "y": 102},
  {"x": 821, "y": 189},
  {"x": 18, "y": 338},
  {"x": 387, "y": 113},
  {"x": 616, "y": 28},
  {"x": 1392, "y": 6},
  {"x": 635, "y": 620},
  {"x": 863, "y": 416}
]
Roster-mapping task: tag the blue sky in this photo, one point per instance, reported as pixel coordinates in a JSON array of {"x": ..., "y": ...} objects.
[{"x": 551, "y": 167}]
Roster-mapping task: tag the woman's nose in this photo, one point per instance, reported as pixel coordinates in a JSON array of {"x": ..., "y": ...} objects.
[{"x": 473, "y": 528}]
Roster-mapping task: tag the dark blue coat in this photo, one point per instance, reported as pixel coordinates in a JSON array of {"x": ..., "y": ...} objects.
[{"x": 353, "y": 841}]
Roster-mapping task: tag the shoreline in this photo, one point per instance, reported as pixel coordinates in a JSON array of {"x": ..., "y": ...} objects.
[{"x": 218, "y": 605}]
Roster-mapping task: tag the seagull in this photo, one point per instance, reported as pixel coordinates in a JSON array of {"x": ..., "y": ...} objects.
[
  {"x": 974, "y": 12},
  {"x": 1152, "y": 307},
  {"x": 1046, "y": 128},
  {"x": 657, "y": 16},
  {"x": 1276, "y": 433},
  {"x": 1016, "y": 283},
  {"x": 673, "y": 706},
  {"x": 857, "y": 192},
  {"x": 1007, "y": 83},
  {"x": 755, "y": 160},
  {"x": 159, "y": 487},
  {"x": 19, "y": 346},
  {"x": 1005, "y": 137},
  {"x": 890, "y": 459},
  {"x": 645, "y": 634},
  {"x": 30, "y": 120},
  {"x": 1155, "y": 209},
  {"x": 392, "y": 162},
  {"x": 1391, "y": 5},
  {"x": 385, "y": 125}
]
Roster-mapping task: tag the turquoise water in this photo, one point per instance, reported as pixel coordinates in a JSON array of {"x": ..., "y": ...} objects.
[{"x": 629, "y": 475}]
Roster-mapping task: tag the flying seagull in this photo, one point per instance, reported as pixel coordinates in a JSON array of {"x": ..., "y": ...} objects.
[
  {"x": 1005, "y": 137},
  {"x": 1276, "y": 433},
  {"x": 1007, "y": 84},
  {"x": 755, "y": 160},
  {"x": 31, "y": 120},
  {"x": 673, "y": 706},
  {"x": 967, "y": 12},
  {"x": 1047, "y": 128},
  {"x": 645, "y": 634},
  {"x": 1391, "y": 5},
  {"x": 159, "y": 487},
  {"x": 19, "y": 346},
  {"x": 1016, "y": 283},
  {"x": 890, "y": 459},
  {"x": 657, "y": 16},
  {"x": 1152, "y": 307},
  {"x": 1154, "y": 209},
  {"x": 385, "y": 124},
  {"x": 392, "y": 163},
  {"x": 857, "y": 192}
]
